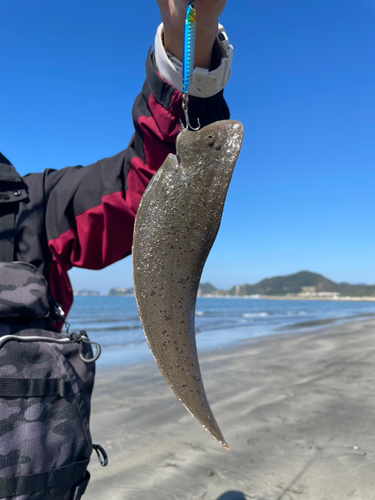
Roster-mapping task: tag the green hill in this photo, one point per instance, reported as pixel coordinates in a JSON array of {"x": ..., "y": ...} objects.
[
  {"x": 293, "y": 283},
  {"x": 303, "y": 281},
  {"x": 207, "y": 289}
]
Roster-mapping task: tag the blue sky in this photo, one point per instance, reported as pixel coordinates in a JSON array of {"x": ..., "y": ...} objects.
[{"x": 303, "y": 81}]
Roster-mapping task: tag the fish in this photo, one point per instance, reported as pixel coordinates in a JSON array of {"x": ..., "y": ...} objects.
[{"x": 175, "y": 227}]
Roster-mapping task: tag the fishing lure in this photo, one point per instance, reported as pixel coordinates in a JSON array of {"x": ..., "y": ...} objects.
[{"x": 188, "y": 59}]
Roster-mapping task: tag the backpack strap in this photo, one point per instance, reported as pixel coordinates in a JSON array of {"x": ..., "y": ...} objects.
[
  {"x": 81, "y": 487},
  {"x": 7, "y": 227},
  {"x": 35, "y": 387},
  {"x": 12, "y": 191},
  {"x": 24, "y": 485}
]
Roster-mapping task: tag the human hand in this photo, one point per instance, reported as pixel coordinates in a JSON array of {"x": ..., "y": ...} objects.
[{"x": 173, "y": 17}]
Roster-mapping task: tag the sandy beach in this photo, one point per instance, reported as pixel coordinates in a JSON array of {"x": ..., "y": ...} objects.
[{"x": 297, "y": 410}]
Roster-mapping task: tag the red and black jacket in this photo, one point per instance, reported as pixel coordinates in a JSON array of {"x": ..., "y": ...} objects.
[{"x": 84, "y": 216}]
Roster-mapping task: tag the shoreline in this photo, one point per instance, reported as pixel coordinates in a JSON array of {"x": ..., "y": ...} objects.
[
  {"x": 260, "y": 297},
  {"x": 220, "y": 339},
  {"x": 284, "y": 297},
  {"x": 333, "y": 299},
  {"x": 297, "y": 410}
]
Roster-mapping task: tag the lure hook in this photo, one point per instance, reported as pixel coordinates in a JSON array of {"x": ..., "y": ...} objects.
[{"x": 188, "y": 126}]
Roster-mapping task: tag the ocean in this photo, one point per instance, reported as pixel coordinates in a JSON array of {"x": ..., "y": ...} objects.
[{"x": 114, "y": 323}]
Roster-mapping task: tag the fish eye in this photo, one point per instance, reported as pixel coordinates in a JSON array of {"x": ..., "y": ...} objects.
[{"x": 210, "y": 139}]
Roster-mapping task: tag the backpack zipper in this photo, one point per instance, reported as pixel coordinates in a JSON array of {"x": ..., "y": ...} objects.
[
  {"x": 32, "y": 338},
  {"x": 79, "y": 338}
]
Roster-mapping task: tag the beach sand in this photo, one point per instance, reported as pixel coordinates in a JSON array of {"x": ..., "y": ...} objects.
[{"x": 297, "y": 410}]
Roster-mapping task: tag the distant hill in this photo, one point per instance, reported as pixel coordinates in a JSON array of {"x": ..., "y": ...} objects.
[
  {"x": 207, "y": 289},
  {"x": 303, "y": 282}
]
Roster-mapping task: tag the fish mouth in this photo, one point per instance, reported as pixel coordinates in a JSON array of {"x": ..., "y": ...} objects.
[
  {"x": 218, "y": 140},
  {"x": 225, "y": 128},
  {"x": 213, "y": 147}
]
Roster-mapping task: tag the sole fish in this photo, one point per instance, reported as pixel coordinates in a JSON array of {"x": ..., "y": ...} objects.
[{"x": 175, "y": 227}]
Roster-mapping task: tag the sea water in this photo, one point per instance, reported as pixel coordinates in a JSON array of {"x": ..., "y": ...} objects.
[{"x": 114, "y": 323}]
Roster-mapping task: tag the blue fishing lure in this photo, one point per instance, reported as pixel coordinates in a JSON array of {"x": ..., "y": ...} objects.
[
  {"x": 189, "y": 46},
  {"x": 188, "y": 58}
]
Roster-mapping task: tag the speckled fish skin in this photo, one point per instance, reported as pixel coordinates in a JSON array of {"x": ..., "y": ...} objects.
[{"x": 175, "y": 228}]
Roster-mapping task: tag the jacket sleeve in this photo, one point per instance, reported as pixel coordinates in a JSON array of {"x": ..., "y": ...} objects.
[{"x": 90, "y": 211}]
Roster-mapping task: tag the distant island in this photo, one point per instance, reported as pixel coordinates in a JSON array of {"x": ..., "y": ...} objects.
[
  {"x": 301, "y": 285},
  {"x": 123, "y": 292},
  {"x": 86, "y": 293}
]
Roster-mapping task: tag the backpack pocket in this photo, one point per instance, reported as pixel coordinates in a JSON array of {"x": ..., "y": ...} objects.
[
  {"x": 23, "y": 291},
  {"x": 45, "y": 390}
]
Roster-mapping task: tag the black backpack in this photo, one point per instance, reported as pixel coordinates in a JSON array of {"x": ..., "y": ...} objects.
[{"x": 46, "y": 381}]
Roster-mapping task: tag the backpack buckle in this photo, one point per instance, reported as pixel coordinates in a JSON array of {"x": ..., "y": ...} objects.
[
  {"x": 102, "y": 455},
  {"x": 82, "y": 338},
  {"x": 80, "y": 489}
]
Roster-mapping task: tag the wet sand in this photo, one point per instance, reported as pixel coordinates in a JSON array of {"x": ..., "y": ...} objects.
[{"x": 297, "y": 410}]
